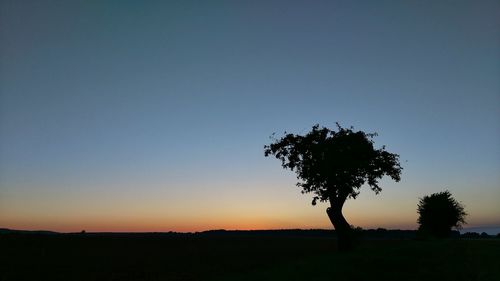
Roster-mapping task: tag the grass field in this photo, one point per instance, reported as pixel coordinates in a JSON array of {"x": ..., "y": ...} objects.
[{"x": 159, "y": 257}]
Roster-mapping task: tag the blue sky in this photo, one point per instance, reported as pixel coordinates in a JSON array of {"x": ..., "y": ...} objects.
[{"x": 127, "y": 115}]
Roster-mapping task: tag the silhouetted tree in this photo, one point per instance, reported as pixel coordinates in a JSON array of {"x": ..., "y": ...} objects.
[
  {"x": 333, "y": 165},
  {"x": 438, "y": 213}
]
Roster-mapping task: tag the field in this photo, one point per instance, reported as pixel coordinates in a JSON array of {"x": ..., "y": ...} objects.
[{"x": 240, "y": 257}]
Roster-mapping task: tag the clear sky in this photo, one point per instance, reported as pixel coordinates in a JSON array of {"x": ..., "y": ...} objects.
[{"x": 152, "y": 115}]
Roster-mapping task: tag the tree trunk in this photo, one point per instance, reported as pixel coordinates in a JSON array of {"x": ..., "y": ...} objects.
[{"x": 342, "y": 227}]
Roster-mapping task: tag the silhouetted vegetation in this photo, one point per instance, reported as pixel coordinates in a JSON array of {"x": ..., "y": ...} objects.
[
  {"x": 333, "y": 165},
  {"x": 475, "y": 235},
  {"x": 438, "y": 213}
]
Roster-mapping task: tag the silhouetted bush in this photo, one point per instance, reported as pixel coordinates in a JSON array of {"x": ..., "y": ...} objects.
[{"x": 438, "y": 213}]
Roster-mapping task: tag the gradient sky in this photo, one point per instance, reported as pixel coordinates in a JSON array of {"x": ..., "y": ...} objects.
[{"x": 152, "y": 115}]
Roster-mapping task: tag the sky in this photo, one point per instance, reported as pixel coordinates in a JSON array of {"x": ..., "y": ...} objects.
[{"x": 153, "y": 115}]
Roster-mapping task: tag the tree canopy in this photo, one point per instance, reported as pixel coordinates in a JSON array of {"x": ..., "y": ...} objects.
[{"x": 335, "y": 164}]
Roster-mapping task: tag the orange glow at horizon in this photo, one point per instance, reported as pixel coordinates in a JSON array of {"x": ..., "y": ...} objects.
[
  {"x": 247, "y": 208},
  {"x": 313, "y": 218}
]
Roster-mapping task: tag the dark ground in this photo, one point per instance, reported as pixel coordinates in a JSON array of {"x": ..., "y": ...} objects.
[{"x": 241, "y": 257}]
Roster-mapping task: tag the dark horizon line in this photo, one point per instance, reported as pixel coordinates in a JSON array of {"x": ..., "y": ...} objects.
[
  {"x": 4, "y": 229},
  {"x": 9, "y": 230}
]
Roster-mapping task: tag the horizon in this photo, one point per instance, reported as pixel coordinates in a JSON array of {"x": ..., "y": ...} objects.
[
  {"x": 125, "y": 116},
  {"x": 490, "y": 230}
]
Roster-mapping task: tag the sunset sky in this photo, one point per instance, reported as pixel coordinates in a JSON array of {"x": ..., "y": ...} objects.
[{"x": 152, "y": 115}]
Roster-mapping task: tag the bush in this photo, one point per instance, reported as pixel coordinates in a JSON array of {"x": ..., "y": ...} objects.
[{"x": 438, "y": 213}]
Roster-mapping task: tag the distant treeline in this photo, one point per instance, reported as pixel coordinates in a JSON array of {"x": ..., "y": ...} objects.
[
  {"x": 324, "y": 233},
  {"x": 380, "y": 233}
]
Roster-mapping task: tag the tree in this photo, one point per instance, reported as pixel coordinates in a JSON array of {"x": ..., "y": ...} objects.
[
  {"x": 333, "y": 165},
  {"x": 438, "y": 213}
]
